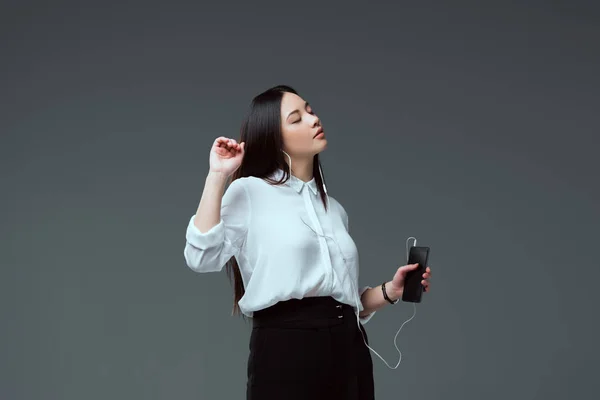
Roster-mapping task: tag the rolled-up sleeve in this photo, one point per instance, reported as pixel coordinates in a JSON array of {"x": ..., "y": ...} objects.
[
  {"x": 210, "y": 251},
  {"x": 366, "y": 318}
]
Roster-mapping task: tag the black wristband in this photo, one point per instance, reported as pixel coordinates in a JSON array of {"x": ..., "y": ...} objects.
[{"x": 385, "y": 296}]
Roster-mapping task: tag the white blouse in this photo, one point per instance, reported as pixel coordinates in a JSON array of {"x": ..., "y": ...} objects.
[{"x": 285, "y": 242}]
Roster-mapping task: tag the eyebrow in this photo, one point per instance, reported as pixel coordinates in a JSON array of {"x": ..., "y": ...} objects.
[{"x": 297, "y": 111}]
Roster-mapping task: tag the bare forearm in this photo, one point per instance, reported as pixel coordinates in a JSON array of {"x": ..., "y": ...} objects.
[
  {"x": 372, "y": 299},
  {"x": 208, "y": 213}
]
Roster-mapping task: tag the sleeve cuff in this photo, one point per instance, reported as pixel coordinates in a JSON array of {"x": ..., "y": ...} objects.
[
  {"x": 365, "y": 319},
  {"x": 211, "y": 238}
]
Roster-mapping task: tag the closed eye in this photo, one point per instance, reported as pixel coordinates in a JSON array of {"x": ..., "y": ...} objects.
[{"x": 310, "y": 111}]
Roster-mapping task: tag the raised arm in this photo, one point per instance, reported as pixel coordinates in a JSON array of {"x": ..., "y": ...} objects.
[
  {"x": 216, "y": 231},
  {"x": 208, "y": 213}
]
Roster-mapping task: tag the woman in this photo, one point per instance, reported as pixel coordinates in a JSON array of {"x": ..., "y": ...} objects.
[{"x": 286, "y": 244}]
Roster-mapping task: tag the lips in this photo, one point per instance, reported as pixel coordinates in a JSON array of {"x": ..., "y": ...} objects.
[{"x": 320, "y": 130}]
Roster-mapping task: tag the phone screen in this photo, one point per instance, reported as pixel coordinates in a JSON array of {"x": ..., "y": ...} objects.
[{"x": 413, "y": 289}]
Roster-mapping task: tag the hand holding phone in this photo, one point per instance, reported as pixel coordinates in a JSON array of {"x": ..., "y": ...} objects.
[{"x": 413, "y": 289}]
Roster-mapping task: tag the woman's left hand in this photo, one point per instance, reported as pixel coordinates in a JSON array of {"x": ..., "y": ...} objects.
[{"x": 400, "y": 276}]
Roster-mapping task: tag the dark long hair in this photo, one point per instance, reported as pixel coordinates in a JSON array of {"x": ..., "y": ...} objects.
[{"x": 261, "y": 132}]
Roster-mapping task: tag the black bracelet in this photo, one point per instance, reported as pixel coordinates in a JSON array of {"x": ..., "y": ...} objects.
[{"x": 385, "y": 296}]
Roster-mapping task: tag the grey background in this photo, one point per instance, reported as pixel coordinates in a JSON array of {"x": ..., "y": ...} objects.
[{"x": 470, "y": 125}]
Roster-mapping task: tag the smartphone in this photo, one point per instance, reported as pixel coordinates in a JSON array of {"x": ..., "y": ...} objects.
[{"x": 413, "y": 289}]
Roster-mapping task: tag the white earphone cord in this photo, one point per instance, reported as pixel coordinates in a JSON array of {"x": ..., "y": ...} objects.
[
  {"x": 355, "y": 291},
  {"x": 348, "y": 274}
]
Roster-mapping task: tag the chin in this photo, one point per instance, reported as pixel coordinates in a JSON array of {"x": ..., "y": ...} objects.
[{"x": 323, "y": 145}]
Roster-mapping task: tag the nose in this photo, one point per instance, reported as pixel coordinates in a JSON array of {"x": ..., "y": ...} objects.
[{"x": 317, "y": 121}]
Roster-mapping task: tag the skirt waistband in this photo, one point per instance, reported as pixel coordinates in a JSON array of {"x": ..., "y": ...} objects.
[{"x": 308, "y": 311}]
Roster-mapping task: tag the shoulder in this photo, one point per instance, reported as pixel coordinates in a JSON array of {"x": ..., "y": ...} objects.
[
  {"x": 237, "y": 191},
  {"x": 337, "y": 207},
  {"x": 247, "y": 183},
  {"x": 249, "y": 186},
  {"x": 256, "y": 185},
  {"x": 238, "y": 185}
]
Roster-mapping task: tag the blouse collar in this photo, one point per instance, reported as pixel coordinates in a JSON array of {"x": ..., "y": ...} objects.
[{"x": 296, "y": 183}]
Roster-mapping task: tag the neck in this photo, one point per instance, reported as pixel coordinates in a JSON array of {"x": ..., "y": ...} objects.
[{"x": 302, "y": 168}]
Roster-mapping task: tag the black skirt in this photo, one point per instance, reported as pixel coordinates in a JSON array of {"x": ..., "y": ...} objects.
[{"x": 308, "y": 348}]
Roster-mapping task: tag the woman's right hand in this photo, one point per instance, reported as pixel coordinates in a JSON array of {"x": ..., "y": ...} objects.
[{"x": 226, "y": 156}]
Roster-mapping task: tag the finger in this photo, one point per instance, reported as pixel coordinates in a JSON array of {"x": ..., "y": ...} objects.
[
  {"x": 409, "y": 267},
  {"x": 224, "y": 143},
  {"x": 221, "y": 151},
  {"x": 226, "y": 148}
]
